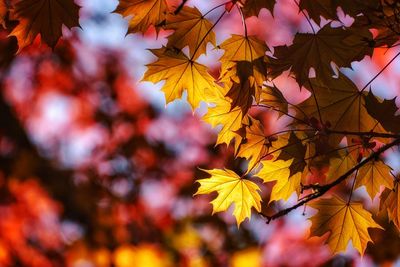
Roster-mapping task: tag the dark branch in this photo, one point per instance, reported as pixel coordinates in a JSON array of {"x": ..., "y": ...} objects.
[
  {"x": 368, "y": 134},
  {"x": 322, "y": 189},
  {"x": 179, "y": 8}
]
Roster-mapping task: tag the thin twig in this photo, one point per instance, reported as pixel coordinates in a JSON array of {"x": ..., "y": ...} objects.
[
  {"x": 214, "y": 8},
  {"x": 380, "y": 72},
  {"x": 305, "y": 15},
  {"x": 207, "y": 33}
]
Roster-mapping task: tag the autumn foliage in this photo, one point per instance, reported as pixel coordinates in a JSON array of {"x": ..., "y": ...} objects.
[{"x": 286, "y": 126}]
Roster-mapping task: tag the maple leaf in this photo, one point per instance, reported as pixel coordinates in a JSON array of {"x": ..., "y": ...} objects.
[
  {"x": 145, "y": 13},
  {"x": 241, "y": 95},
  {"x": 338, "y": 166},
  {"x": 231, "y": 189},
  {"x": 243, "y": 49},
  {"x": 373, "y": 175},
  {"x": 339, "y": 45},
  {"x": 390, "y": 201},
  {"x": 356, "y": 7},
  {"x": 345, "y": 222},
  {"x": 294, "y": 149},
  {"x": 383, "y": 111},
  {"x": 339, "y": 102},
  {"x": 279, "y": 171},
  {"x": 180, "y": 73},
  {"x": 44, "y": 17},
  {"x": 316, "y": 9},
  {"x": 231, "y": 119},
  {"x": 191, "y": 29},
  {"x": 272, "y": 97},
  {"x": 242, "y": 92},
  {"x": 255, "y": 145},
  {"x": 253, "y": 7}
]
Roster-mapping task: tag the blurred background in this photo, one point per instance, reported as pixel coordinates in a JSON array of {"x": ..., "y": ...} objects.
[{"x": 95, "y": 169}]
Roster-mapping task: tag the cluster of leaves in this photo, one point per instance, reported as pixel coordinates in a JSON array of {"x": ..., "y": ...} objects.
[{"x": 340, "y": 130}]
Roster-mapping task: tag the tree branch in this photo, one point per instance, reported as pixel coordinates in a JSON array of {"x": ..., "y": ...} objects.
[
  {"x": 370, "y": 134},
  {"x": 179, "y": 8},
  {"x": 322, "y": 189}
]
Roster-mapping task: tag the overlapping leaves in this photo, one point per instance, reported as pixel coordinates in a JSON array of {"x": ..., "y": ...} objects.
[
  {"x": 338, "y": 125},
  {"x": 339, "y": 131}
]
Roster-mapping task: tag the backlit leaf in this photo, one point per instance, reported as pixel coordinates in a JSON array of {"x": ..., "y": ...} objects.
[
  {"x": 231, "y": 189},
  {"x": 248, "y": 49},
  {"x": 44, "y": 17},
  {"x": 191, "y": 29},
  {"x": 339, "y": 45},
  {"x": 180, "y": 73},
  {"x": 383, "y": 111},
  {"x": 344, "y": 222},
  {"x": 373, "y": 175},
  {"x": 340, "y": 104},
  {"x": 143, "y": 13},
  {"x": 279, "y": 171},
  {"x": 390, "y": 201}
]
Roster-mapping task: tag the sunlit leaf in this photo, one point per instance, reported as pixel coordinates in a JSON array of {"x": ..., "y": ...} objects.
[
  {"x": 180, "y": 74},
  {"x": 191, "y": 29},
  {"x": 248, "y": 49},
  {"x": 344, "y": 222},
  {"x": 279, "y": 171},
  {"x": 143, "y": 13},
  {"x": 373, "y": 175},
  {"x": 231, "y": 189}
]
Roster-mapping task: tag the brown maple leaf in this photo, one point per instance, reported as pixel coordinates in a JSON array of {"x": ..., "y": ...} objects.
[{"x": 44, "y": 17}]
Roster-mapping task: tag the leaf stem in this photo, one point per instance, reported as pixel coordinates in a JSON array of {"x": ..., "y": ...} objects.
[
  {"x": 243, "y": 20},
  {"x": 214, "y": 8},
  {"x": 352, "y": 187},
  {"x": 207, "y": 33}
]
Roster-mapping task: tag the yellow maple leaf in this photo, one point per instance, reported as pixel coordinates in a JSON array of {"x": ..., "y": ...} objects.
[
  {"x": 180, "y": 73},
  {"x": 231, "y": 189},
  {"x": 144, "y": 12},
  {"x": 272, "y": 97},
  {"x": 279, "y": 171},
  {"x": 373, "y": 175},
  {"x": 340, "y": 165},
  {"x": 255, "y": 145},
  {"x": 240, "y": 48},
  {"x": 44, "y": 17},
  {"x": 390, "y": 201},
  {"x": 231, "y": 119},
  {"x": 344, "y": 222},
  {"x": 191, "y": 29}
]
